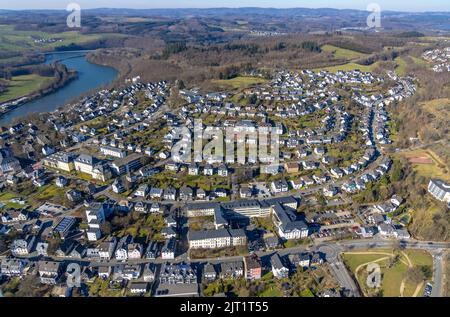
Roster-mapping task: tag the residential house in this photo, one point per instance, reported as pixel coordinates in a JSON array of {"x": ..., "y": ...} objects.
[
  {"x": 193, "y": 169},
  {"x": 149, "y": 272},
  {"x": 49, "y": 272},
  {"x": 142, "y": 191},
  {"x": 170, "y": 193},
  {"x": 23, "y": 246},
  {"x": 222, "y": 171},
  {"x": 134, "y": 251},
  {"x": 121, "y": 253},
  {"x": 209, "y": 272},
  {"x": 252, "y": 267},
  {"x": 279, "y": 270},
  {"x": 12, "y": 267},
  {"x": 168, "y": 250},
  {"x": 231, "y": 270},
  {"x": 291, "y": 167},
  {"x": 300, "y": 259},
  {"x": 152, "y": 251},
  {"x": 106, "y": 248}
]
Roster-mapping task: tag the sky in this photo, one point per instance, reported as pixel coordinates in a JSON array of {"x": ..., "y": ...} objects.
[{"x": 398, "y": 5}]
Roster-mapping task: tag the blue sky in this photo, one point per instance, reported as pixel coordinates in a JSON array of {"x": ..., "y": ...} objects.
[{"x": 403, "y": 5}]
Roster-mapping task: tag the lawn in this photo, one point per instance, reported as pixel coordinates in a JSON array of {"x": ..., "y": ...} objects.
[
  {"x": 394, "y": 281},
  {"x": 7, "y": 196},
  {"x": 271, "y": 291},
  {"x": 23, "y": 85},
  {"x": 219, "y": 252},
  {"x": 15, "y": 40},
  {"x": 5, "y": 199},
  {"x": 419, "y": 257},
  {"x": 426, "y": 163},
  {"x": 201, "y": 223},
  {"x": 353, "y": 261},
  {"x": 401, "y": 66},
  {"x": 50, "y": 192},
  {"x": 101, "y": 288},
  {"x": 342, "y": 52},
  {"x": 240, "y": 82},
  {"x": 438, "y": 107}
]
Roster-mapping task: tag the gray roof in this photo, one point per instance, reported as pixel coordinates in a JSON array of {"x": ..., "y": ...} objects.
[
  {"x": 281, "y": 200},
  {"x": 219, "y": 219},
  {"x": 241, "y": 204},
  {"x": 208, "y": 234},
  {"x": 202, "y": 206},
  {"x": 236, "y": 233},
  {"x": 275, "y": 260},
  {"x": 288, "y": 219},
  {"x": 86, "y": 159}
]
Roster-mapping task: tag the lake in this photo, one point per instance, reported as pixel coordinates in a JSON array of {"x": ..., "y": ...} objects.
[{"x": 90, "y": 76}]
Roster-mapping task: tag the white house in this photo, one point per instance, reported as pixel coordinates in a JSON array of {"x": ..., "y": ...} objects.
[{"x": 278, "y": 269}]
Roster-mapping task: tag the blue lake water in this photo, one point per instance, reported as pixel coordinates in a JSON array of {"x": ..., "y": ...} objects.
[{"x": 90, "y": 76}]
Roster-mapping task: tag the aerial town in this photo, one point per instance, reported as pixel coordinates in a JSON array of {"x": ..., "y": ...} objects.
[{"x": 108, "y": 197}]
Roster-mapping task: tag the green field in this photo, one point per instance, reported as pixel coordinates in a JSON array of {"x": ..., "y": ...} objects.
[
  {"x": 438, "y": 107},
  {"x": 349, "y": 67},
  {"x": 427, "y": 163},
  {"x": 5, "y": 198},
  {"x": 401, "y": 66},
  {"x": 17, "y": 41},
  {"x": 23, "y": 85},
  {"x": 394, "y": 281},
  {"x": 342, "y": 52},
  {"x": 240, "y": 82}
]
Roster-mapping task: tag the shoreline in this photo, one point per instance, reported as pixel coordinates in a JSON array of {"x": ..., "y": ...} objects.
[
  {"x": 18, "y": 102},
  {"x": 71, "y": 75}
]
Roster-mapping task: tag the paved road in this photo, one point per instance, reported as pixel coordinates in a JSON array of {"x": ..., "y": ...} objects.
[
  {"x": 438, "y": 275},
  {"x": 332, "y": 252}
]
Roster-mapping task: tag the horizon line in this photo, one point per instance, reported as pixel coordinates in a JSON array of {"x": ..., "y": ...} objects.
[{"x": 222, "y": 8}]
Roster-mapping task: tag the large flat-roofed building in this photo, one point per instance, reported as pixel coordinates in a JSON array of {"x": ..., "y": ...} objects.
[
  {"x": 287, "y": 201},
  {"x": 439, "y": 190},
  {"x": 61, "y": 160},
  {"x": 202, "y": 209},
  {"x": 127, "y": 164},
  {"x": 221, "y": 238},
  {"x": 96, "y": 213},
  {"x": 65, "y": 226},
  {"x": 112, "y": 151},
  {"x": 247, "y": 208}
]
